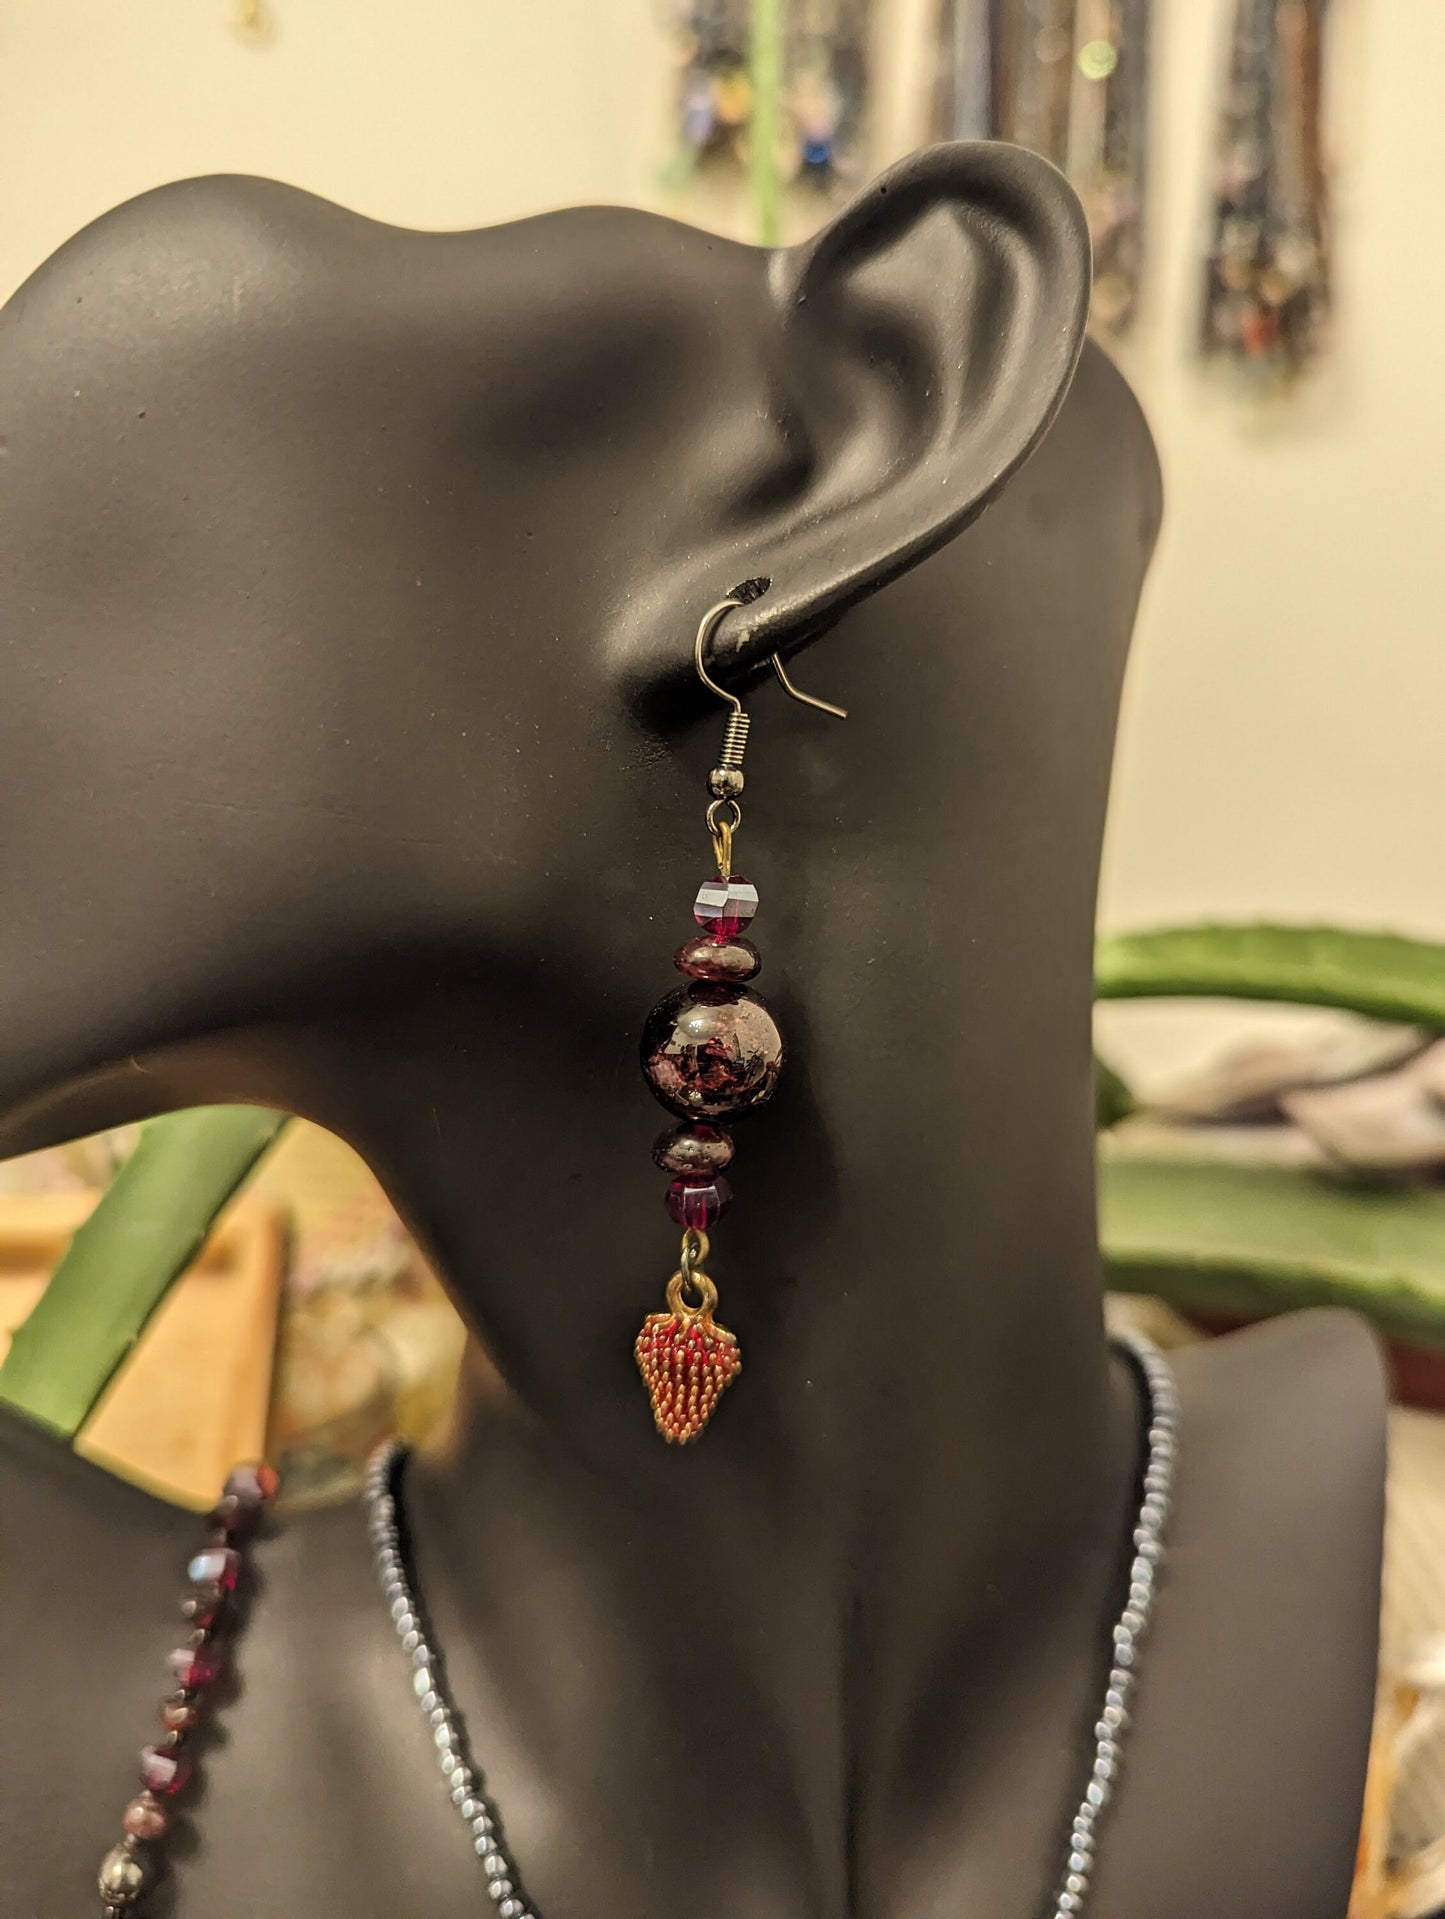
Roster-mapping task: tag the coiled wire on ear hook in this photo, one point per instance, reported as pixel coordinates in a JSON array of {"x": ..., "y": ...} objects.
[{"x": 726, "y": 781}]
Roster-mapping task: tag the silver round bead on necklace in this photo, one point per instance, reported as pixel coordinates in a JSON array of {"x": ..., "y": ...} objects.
[
  {"x": 1133, "y": 1622},
  {"x": 479, "y": 1816},
  {"x": 473, "y": 1808}
]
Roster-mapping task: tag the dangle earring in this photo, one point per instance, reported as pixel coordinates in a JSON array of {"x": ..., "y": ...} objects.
[{"x": 711, "y": 1051}]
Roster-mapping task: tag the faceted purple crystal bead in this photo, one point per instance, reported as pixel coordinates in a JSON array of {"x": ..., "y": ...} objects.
[
  {"x": 256, "y": 1484},
  {"x": 708, "y": 1051},
  {"x": 217, "y": 1566},
  {"x": 698, "y": 1203},
  {"x": 724, "y": 907},
  {"x": 196, "y": 1667},
  {"x": 163, "y": 1773},
  {"x": 697, "y": 1151},
  {"x": 244, "y": 1499},
  {"x": 733, "y": 962}
]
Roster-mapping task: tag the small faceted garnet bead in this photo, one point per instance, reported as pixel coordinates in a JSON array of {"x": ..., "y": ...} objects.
[
  {"x": 244, "y": 1499},
  {"x": 699, "y": 1203},
  {"x": 709, "y": 1051},
  {"x": 218, "y": 1566},
  {"x": 163, "y": 1772},
  {"x": 693, "y": 1150},
  {"x": 196, "y": 1667},
  {"x": 725, "y": 907},
  {"x": 734, "y": 962}
]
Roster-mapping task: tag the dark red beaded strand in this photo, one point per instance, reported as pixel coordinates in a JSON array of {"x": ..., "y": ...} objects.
[
  {"x": 711, "y": 1051},
  {"x": 129, "y": 1871}
]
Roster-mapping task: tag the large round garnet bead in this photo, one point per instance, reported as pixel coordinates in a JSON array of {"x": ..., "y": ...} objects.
[{"x": 710, "y": 1050}]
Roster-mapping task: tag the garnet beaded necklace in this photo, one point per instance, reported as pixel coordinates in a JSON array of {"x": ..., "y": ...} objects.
[{"x": 129, "y": 1871}]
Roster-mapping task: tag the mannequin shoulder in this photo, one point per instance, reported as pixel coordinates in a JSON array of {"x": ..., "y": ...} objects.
[
  {"x": 1247, "y": 1759},
  {"x": 68, "y": 1530}
]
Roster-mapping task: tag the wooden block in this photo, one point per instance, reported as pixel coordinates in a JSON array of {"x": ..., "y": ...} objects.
[{"x": 193, "y": 1398}]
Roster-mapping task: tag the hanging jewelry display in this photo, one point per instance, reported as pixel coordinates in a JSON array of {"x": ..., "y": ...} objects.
[
  {"x": 1069, "y": 78},
  {"x": 824, "y": 84},
  {"x": 1109, "y": 146},
  {"x": 965, "y": 83},
  {"x": 1035, "y": 66},
  {"x": 1266, "y": 300},
  {"x": 709, "y": 39}
]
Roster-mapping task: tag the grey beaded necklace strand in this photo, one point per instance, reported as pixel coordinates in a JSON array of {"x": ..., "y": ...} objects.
[{"x": 480, "y": 1815}]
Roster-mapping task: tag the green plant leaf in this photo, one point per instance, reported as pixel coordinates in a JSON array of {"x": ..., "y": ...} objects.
[
  {"x": 765, "y": 71},
  {"x": 1253, "y": 1240},
  {"x": 1381, "y": 974},
  {"x": 1113, "y": 1100},
  {"x": 143, "y": 1234}
]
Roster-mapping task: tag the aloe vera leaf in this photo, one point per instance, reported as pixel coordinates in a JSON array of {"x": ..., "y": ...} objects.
[
  {"x": 1384, "y": 975},
  {"x": 1113, "y": 1100},
  {"x": 144, "y": 1232},
  {"x": 765, "y": 71},
  {"x": 1255, "y": 1240}
]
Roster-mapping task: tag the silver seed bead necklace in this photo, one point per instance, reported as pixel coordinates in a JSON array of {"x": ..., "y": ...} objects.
[{"x": 479, "y": 1814}]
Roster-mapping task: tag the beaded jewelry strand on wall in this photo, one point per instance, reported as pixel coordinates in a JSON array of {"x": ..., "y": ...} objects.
[
  {"x": 1109, "y": 147},
  {"x": 1070, "y": 79},
  {"x": 824, "y": 58},
  {"x": 1266, "y": 301}
]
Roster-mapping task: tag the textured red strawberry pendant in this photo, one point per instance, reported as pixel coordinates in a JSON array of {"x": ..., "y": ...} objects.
[{"x": 687, "y": 1362}]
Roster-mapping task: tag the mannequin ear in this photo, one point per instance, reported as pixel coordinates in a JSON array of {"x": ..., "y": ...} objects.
[{"x": 929, "y": 337}]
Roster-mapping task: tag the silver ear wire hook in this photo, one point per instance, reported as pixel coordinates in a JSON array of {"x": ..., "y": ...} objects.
[
  {"x": 725, "y": 782},
  {"x": 705, "y": 630},
  {"x": 704, "y": 634},
  {"x": 806, "y": 699}
]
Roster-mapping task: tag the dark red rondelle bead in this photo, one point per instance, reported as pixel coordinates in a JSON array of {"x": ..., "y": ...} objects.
[
  {"x": 145, "y": 1817},
  {"x": 698, "y": 1203},
  {"x": 734, "y": 962},
  {"x": 694, "y": 1149},
  {"x": 708, "y": 1051}
]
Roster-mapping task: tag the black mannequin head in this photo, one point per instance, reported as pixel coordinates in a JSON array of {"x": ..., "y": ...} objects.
[{"x": 297, "y": 506}]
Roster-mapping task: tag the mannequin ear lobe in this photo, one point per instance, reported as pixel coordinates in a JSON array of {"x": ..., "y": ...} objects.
[{"x": 929, "y": 336}]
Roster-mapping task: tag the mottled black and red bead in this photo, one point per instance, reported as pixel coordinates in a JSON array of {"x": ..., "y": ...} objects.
[{"x": 711, "y": 1051}]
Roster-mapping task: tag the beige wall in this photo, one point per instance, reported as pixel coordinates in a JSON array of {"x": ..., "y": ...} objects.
[
  {"x": 425, "y": 112},
  {"x": 1283, "y": 749},
  {"x": 1282, "y": 744}
]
